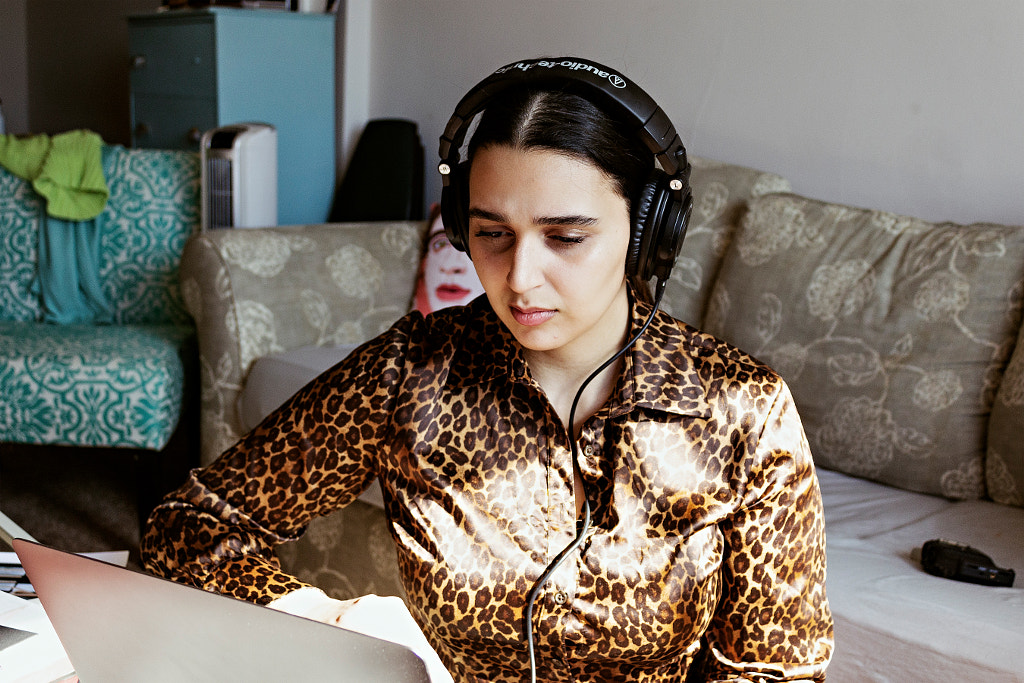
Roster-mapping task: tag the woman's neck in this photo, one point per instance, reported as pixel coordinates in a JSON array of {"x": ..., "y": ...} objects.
[{"x": 561, "y": 373}]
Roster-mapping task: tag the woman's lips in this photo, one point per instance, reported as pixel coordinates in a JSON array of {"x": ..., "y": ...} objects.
[
  {"x": 531, "y": 317},
  {"x": 450, "y": 292}
]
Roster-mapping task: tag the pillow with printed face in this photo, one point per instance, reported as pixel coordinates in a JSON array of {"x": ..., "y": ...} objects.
[{"x": 447, "y": 276}]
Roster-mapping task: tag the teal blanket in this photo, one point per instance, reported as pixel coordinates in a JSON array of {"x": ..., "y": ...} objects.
[{"x": 67, "y": 170}]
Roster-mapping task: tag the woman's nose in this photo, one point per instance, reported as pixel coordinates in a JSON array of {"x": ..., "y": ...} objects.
[{"x": 525, "y": 270}]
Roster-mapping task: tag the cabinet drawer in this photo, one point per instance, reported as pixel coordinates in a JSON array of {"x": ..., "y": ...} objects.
[
  {"x": 177, "y": 58},
  {"x": 164, "y": 122}
]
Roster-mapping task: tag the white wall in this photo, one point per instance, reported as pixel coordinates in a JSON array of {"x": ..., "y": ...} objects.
[{"x": 913, "y": 106}]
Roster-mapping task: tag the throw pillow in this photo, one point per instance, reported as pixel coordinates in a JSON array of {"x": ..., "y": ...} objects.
[
  {"x": 1004, "y": 461},
  {"x": 891, "y": 332},
  {"x": 721, "y": 192},
  {"x": 446, "y": 275}
]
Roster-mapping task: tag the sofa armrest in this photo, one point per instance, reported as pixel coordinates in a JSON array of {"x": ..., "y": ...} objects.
[{"x": 259, "y": 291}]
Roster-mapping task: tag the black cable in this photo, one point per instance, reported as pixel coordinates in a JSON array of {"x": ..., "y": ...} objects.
[{"x": 584, "y": 528}]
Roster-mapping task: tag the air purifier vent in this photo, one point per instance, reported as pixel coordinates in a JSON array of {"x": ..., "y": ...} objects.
[{"x": 239, "y": 176}]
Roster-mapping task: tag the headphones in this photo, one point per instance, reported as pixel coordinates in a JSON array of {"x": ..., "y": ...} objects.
[{"x": 660, "y": 213}]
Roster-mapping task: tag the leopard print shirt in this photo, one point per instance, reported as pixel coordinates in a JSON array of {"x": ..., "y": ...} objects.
[{"x": 705, "y": 561}]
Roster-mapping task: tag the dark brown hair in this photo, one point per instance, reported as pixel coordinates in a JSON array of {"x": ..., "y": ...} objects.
[{"x": 570, "y": 124}]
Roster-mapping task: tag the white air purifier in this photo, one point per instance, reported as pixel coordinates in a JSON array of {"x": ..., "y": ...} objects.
[{"x": 239, "y": 176}]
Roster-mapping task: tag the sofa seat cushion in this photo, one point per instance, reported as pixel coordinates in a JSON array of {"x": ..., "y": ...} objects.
[
  {"x": 892, "y": 333},
  {"x": 883, "y": 602},
  {"x": 88, "y": 385}
]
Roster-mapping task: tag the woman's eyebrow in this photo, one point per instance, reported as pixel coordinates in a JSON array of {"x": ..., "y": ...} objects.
[
  {"x": 475, "y": 212},
  {"x": 577, "y": 220},
  {"x": 568, "y": 220}
]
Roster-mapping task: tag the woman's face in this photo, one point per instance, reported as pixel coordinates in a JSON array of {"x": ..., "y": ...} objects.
[{"x": 548, "y": 235}]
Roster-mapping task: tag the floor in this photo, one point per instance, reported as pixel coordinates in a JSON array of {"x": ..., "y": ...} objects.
[{"x": 74, "y": 499}]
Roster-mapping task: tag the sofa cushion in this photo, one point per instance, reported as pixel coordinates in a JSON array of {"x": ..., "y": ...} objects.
[
  {"x": 892, "y": 332},
  {"x": 1004, "y": 462},
  {"x": 152, "y": 210},
  {"x": 20, "y": 210},
  {"x": 720, "y": 195},
  {"x": 89, "y": 385},
  {"x": 883, "y": 602}
]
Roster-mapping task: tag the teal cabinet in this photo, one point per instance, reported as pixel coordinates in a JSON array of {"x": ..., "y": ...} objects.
[{"x": 193, "y": 70}]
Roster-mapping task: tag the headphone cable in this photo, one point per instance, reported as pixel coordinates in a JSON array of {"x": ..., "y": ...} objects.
[{"x": 584, "y": 527}]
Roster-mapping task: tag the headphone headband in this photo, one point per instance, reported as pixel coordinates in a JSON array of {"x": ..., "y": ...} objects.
[
  {"x": 595, "y": 80},
  {"x": 660, "y": 213}
]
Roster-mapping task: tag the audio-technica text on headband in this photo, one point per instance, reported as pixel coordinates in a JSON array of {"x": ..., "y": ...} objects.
[{"x": 656, "y": 130}]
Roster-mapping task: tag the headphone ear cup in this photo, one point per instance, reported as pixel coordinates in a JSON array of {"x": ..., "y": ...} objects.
[
  {"x": 659, "y": 225},
  {"x": 455, "y": 208},
  {"x": 671, "y": 231},
  {"x": 648, "y": 220},
  {"x": 641, "y": 212}
]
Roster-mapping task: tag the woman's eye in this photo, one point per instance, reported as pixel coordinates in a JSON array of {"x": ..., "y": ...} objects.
[{"x": 489, "y": 234}]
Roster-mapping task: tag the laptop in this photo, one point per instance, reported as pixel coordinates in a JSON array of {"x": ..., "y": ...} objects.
[{"x": 117, "y": 624}]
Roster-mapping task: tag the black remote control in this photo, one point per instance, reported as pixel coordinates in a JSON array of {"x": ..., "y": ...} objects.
[{"x": 963, "y": 563}]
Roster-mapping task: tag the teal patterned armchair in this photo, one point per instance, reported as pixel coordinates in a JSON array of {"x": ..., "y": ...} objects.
[{"x": 122, "y": 384}]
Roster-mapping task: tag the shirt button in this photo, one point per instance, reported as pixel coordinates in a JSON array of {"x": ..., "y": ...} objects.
[
  {"x": 588, "y": 450},
  {"x": 561, "y": 597}
]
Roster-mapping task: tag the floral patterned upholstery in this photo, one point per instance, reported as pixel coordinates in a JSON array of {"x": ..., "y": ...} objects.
[
  {"x": 893, "y": 334},
  {"x": 721, "y": 193},
  {"x": 257, "y": 291},
  {"x": 1004, "y": 459},
  {"x": 104, "y": 385}
]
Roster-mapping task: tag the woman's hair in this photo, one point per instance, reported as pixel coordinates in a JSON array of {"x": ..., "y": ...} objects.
[{"x": 567, "y": 123}]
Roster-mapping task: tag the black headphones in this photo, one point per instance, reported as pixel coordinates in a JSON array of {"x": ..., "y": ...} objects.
[{"x": 660, "y": 213}]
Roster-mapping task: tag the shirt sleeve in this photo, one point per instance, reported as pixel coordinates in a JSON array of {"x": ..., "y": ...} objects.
[
  {"x": 773, "y": 622},
  {"x": 314, "y": 454}
]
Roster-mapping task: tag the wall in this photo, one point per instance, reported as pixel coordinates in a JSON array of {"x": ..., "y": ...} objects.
[
  {"x": 14, "y": 65},
  {"x": 912, "y": 106},
  {"x": 78, "y": 65}
]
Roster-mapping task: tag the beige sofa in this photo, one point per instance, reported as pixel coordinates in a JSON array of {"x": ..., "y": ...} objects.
[{"x": 900, "y": 340}]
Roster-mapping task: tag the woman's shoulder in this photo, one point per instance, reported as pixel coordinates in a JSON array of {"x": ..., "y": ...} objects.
[
  {"x": 714, "y": 357},
  {"x": 417, "y": 335}
]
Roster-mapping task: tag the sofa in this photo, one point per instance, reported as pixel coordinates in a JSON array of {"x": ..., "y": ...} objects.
[
  {"x": 900, "y": 339},
  {"x": 119, "y": 380}
]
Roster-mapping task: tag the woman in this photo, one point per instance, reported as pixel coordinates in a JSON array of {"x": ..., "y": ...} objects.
[{"x": 690, "y": 522}]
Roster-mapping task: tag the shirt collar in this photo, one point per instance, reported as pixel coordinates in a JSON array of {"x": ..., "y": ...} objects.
[{"x": 661, "y": 371}]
